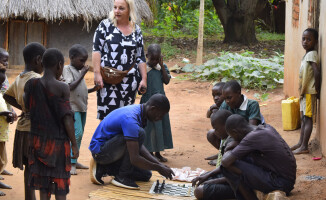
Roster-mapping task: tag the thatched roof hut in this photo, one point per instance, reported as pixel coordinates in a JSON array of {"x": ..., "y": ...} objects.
[
  {"x": 54, "y": 23},
  {"x": 52, "y": 10}
]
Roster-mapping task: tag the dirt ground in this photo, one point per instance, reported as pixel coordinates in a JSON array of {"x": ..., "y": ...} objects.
[{"x": 189, "y": 103}]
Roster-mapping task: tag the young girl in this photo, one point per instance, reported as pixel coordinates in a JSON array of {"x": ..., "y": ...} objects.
[
  {"x": 309, "y": 87},
  {"x": 52, "y": 130},
  {"x": 158, "y": 134}
]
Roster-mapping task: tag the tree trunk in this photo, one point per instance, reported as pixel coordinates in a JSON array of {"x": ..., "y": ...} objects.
[{"x": 237, "y": 18}]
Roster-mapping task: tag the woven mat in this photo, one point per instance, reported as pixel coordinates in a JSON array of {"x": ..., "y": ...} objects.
[{"x": 112, "y": 192}]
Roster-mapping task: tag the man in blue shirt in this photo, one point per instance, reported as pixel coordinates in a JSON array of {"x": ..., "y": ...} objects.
[{"x": 117, "y": 144}]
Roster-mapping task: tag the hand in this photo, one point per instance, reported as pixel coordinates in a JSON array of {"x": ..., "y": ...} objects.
[
  {"x": 98, "y": 80},
  {"x": 84, "y": 70},
  {"x": 2, "y": 67},
  {"x": 75, "y": 152},
  {"x": 214, "y": 106},
  {"x": 200, "y": 179},
  {"x": 231, "y": 145},
  {"x": 142, "y": 87},
  {"x": 97, "y": 87},
  {"x": 9, "y": 116},
  {"x": 166, "y": 171},
  {"x": 15, "y": 115},
  {"x": 161, "y": 62}
]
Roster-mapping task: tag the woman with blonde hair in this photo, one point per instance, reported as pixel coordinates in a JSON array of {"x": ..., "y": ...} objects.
[{"x": 118, "y": 43}]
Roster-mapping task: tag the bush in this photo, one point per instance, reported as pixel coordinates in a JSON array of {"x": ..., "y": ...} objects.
[{"x": 252, "y": 72}]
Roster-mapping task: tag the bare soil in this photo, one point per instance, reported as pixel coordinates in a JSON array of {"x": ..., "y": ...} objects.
[{"x": 189, "y": 103}]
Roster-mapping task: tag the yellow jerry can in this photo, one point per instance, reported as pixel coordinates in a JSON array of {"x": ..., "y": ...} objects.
[{"x": 291, "y": 113}]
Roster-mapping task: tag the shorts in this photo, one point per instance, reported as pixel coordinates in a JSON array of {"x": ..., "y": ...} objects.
[
  {"x": 20, "y": 149},
  {"x": 218, "y": 191},
  {"x": 308, "y": 105}
]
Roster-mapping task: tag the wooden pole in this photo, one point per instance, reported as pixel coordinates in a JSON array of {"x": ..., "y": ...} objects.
[{"x": 199, "y": 59}]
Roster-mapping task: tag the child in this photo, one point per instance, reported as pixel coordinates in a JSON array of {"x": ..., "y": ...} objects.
[
  {"x": 158, "y": 134},
  {"x": 47, "y": 100},
  {"x": 309, "y": 88},
  {"x": 238, "y": 103},
  {"x": 5, "y": 117},
  {"x": 217, "y": 97},
  {"x": 213, "y": 185},
  {"x": 73, "y": 75},
  {"x": 32, "y": 54},
  {"x": 211, "y": 135},
  {"x": 4, "y": 58}
]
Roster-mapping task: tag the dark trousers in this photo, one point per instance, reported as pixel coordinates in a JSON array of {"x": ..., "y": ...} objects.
[
  {"x": 113, "y": 159},
  {"x": 254, "y": 177}
]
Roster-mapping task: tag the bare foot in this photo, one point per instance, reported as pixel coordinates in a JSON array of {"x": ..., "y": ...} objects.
[
  {"x": 80, "y": 166},
  {"x": 2, "y": 193},
  {"x": 295, "y": 147},
  {"x": 160, "y": 157},
  {"x": 73, "y": 170},
  {"x": 5, "y": 172},
  {"x": 213, "y": 157},
  {"x": 212, "y": 162},
  {"x": 4, "y": 186},
  {"x": 1, "y": 178},
  {"x": 301, "y": 150}
]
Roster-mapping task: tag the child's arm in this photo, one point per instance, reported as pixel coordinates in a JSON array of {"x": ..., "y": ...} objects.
[
  {"x": 75, "y": 83},
  {"x": 166, "y": 77},
  {"x": 317, "y": 76},
  {"x": 12, "y": 101},
  {"x": 95, "y": 88}
]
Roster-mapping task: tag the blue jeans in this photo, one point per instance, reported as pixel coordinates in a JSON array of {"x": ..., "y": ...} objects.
[
  {"x": 80, "y": 121},
  {"x": 114, "y": 159}
]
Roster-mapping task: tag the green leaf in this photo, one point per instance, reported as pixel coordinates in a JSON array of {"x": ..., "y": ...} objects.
[{"x": 264, "y": 97}]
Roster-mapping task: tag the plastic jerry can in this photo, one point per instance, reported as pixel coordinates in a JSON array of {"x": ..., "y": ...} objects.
[{"x": 291, "y": 113}]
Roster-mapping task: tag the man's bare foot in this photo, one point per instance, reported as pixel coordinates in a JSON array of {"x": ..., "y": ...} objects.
[
  {"x": 73, "y": 170},
  {"x": 212, "y": 162},
  {"x": 301, "y": 150},
  {"x": 295, "y": 147},
  {"x": 2, "y": 193},
  {"x": 80, "y": 166},
  {"x": 1, "y": 178},
  {"x": 5, "y": 186},
  {"x": 5, "y": 172},
  {"x": 213, "y": 157}
]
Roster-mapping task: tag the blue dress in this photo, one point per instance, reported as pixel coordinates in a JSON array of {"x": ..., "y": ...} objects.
[{"x": 158, "y": 134}]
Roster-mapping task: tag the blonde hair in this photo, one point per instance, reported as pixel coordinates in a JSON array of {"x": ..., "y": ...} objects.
[{"x": 132, "y": 14}]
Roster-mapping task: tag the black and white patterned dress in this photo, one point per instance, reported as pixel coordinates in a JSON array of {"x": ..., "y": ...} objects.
[{"x": 118, "y": 51}]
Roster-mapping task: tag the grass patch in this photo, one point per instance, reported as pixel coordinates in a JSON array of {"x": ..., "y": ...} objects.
[{"x": 266, "y": 36}]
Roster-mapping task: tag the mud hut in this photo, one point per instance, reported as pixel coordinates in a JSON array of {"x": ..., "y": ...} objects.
[{"x": 54, "y": 23}]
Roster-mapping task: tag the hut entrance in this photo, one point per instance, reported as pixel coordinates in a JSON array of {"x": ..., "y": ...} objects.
[{"x": 20, "y": 34}]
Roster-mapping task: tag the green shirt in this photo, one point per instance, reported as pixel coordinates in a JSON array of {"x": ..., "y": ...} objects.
[{"x": 249, "y": 109}]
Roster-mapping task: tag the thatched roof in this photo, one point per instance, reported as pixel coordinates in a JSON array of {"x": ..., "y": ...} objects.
[{"x": 52, "y": 10}]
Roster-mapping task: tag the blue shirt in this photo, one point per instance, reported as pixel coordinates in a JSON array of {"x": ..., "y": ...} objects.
[{"x": 126, "y": 120}]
